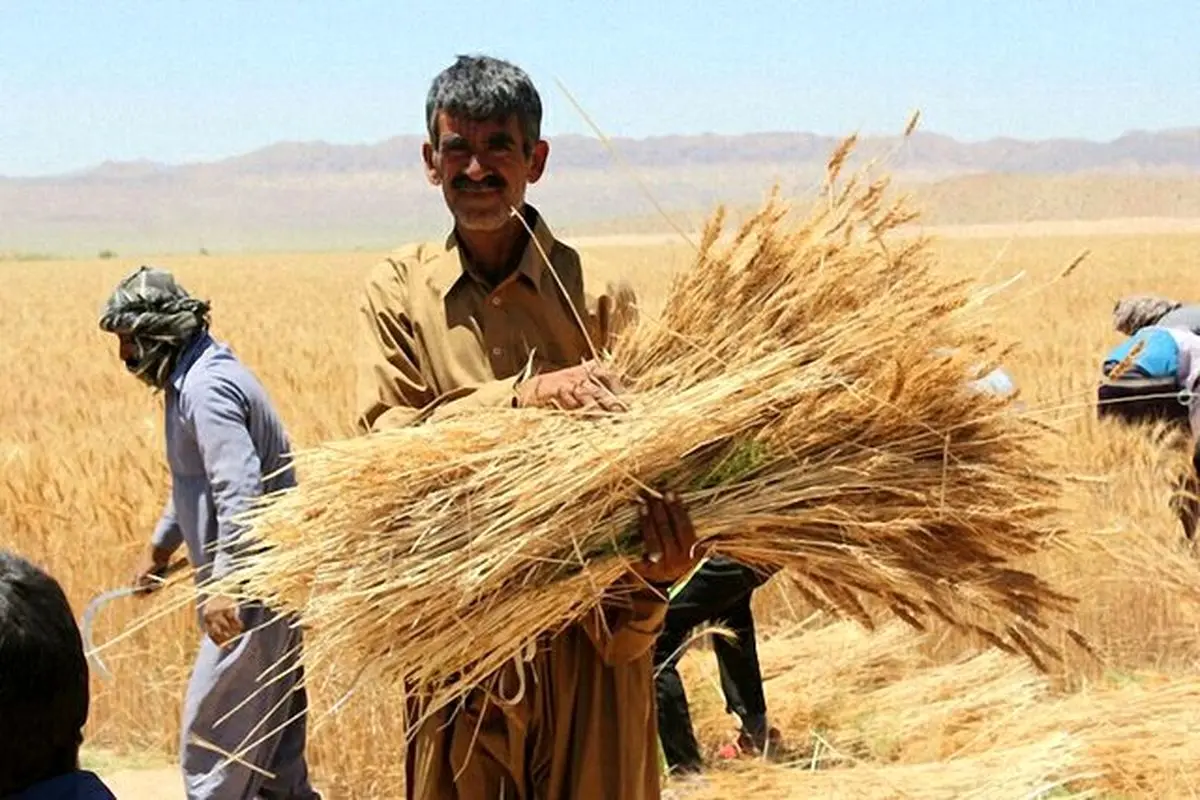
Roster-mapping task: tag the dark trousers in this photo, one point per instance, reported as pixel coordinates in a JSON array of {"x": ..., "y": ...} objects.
[
  {"x": 719, "y": 593},
  {"x": 1134, "y": 399}
]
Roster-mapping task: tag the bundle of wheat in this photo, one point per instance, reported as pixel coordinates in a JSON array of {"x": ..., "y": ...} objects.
[{"x": 805, "y": 391}]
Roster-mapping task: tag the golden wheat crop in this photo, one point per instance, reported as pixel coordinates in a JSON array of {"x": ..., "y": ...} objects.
[{"x": 893, "y": 713}]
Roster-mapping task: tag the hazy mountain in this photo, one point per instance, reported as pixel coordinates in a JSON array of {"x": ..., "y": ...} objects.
[{"x": 319, "y": 195}]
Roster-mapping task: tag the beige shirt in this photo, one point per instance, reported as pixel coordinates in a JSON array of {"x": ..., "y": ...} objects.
[{"x": 437, "y": 338}]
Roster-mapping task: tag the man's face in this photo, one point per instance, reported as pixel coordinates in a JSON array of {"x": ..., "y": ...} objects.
[
  {"x": 131, "y": 353},
  {"x": 127, "y": 348},
  {"x": 482, "y": 168}
]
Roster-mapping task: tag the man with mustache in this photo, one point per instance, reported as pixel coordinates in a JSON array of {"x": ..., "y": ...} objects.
[{"x": 503, "y": 314}]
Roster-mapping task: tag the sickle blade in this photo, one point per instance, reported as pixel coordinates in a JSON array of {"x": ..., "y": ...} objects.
[
  {"x": 89, "y": 616},
  {"x": 101, "y": 600}
]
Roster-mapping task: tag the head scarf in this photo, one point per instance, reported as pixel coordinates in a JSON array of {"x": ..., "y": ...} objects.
[
  {"x": 160, "y": 315},
  {"x": 1135, "y": 312}
]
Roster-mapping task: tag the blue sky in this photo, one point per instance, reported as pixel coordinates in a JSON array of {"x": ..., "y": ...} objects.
[{"x": 171, "y": 81}]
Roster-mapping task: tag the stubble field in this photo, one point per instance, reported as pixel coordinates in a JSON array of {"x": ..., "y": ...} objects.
[{"x": 891, "y": 713}]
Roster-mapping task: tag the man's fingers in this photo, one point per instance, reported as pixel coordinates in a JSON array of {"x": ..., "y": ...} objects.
[
  {"x": 588, "y": 394},
  {"x": 611, "y": 403},
  {"x": 603, "y": 389},
  {"x": 579, "y": 387},
  {"x": 222, "y": 624},
  {"x": 146, "y": 583},
  {"x": 652, "y": 545},
  {"x": 212, "y": 624},
  {"x": 661, "y": 525},
  {"x": 564, "y": 399},
  {"x": 608, "y": 379},
  {"x": 682, "y": 523},
  {"x": 233, "y": 624},
  {"x": 661, "y": 511},
  {"x": 583, "y": 395},
  {"x": 226, "y": 626}
]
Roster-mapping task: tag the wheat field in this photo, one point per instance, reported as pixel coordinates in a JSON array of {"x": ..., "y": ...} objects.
[{"x": 888, "y": 713}]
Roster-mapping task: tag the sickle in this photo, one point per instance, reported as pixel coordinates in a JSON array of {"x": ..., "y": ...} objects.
[{"x": 101, "y": 600}]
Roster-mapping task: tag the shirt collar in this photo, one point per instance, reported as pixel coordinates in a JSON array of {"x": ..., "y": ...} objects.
[
  {"x": 452, "y": 266},
  {"x": 188, "y": 357}
]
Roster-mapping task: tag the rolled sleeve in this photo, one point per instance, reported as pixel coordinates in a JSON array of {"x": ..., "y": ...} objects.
[
  {"x": 627, "y": 624},
  {"x": 389, "y": 369}
]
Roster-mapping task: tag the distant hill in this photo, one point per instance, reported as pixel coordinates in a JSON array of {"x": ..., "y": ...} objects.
[{"x": 298, "y": 195}]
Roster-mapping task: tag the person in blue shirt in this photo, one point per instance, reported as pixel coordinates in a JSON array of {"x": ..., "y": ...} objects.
[
  {"x": 1149, "y": 385},
  {"x": 1143, "y": 378},
  {"x": 1154, "y": 375},
  {"x": 43, "y": 690}
]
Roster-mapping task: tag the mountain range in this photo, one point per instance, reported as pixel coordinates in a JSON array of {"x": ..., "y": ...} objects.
[{"x": 315, "y": 195}]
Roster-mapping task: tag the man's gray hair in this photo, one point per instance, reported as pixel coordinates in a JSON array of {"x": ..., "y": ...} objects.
[
  {"x": 481, "y": 88},
  {"x": 1132, "y": 313}
]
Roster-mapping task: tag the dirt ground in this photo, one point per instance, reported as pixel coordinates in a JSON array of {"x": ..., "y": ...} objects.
[{"x": 160, "y": 783}]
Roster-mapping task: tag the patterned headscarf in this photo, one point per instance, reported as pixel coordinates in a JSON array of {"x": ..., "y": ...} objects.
[
  {"x": 1135, "y": 312},
  {"x": 161, "y": 317}
]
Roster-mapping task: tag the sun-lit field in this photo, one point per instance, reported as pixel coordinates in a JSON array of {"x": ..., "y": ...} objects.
[{"x": 892, "y": 713}]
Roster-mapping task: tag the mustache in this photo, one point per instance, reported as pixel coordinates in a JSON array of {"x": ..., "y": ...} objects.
[{"x": 463, "y": 183}]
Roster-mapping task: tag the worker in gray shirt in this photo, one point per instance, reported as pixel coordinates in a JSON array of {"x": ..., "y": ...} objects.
[{"x": 226, "y": 447}]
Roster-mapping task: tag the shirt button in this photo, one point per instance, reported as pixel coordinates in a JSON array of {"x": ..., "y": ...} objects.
[
  {"x": 496, "y": 301},
  {"x": 497, "y": 351}
]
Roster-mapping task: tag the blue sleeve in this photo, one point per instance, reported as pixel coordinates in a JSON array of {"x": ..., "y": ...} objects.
[
  {"x": 167, "y": 534},
  {"x": 220, "y": 417}
]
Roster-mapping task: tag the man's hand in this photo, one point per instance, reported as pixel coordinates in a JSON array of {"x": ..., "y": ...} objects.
[
  {"x": 589, "y": 384},
  {"x": 150, "y": 570},
  {"x": 668, "y": 538},
  {"x": 221, "y": 620}
]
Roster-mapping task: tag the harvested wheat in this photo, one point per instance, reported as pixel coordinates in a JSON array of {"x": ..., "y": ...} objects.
[
  {"x": 1031, "y": 769},
  {"x": 794, "y": 393}
]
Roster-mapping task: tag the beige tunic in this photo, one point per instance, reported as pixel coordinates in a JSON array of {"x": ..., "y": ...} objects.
[
  {"x": 437, "y": 337},
  {"x": 437, "y": 340}
]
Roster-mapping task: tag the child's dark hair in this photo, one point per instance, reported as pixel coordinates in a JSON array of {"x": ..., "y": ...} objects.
[{"x": 43, "y": 678}]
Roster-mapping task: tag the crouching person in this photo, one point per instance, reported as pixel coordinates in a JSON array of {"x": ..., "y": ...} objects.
[
  {"x": 43, "y": 690},
  {"x": 719, "y": 592},
  {"x": 225, "y": 447}
]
